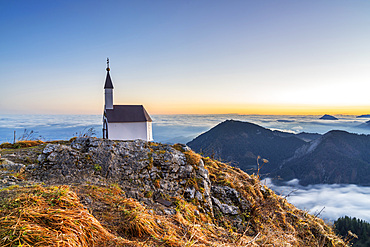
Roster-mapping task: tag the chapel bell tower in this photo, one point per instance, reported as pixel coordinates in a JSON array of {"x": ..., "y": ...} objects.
[{"x": 108, "y": 90}]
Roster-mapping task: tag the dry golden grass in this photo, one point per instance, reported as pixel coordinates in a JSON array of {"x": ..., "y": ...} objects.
[
  {"x": 127, "y": 218},
  {"x": 271, "y": 220},
  {"x": 51, "y": 216},
  {"x": 192, "y": 158},
  {"x": 21, "y": 144},
  {"x": 277, "y": 222}
]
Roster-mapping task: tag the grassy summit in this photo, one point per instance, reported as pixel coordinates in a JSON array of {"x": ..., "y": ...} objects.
[{"x": 212, "y": 203}]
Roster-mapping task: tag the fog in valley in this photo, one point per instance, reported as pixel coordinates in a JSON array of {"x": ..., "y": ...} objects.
[{"x": 328, "y": 201}]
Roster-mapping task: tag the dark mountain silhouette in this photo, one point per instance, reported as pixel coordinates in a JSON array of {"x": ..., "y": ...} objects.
[
  {"x": 241, "y": 143},
  {"x": 328, "y": 117},
  {"x": 364, "y": 116},
  {"x": 336, "y": 157}
]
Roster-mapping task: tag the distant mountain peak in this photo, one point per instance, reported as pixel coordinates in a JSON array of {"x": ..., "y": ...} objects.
[
  {"x": 328, "y": 117},
  {"x": 242, "y": 142},
  {"x": 364, "y": 116},
  {"x": 335, "y": 157}
]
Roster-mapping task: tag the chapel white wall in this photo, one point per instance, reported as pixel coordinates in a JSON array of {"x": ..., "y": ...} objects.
[
  {"x": 129, "y": 131},
  {"x": 149, "y": 131}
]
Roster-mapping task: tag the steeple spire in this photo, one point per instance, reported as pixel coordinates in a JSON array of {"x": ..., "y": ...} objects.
[{"x": 108, "y": 80}]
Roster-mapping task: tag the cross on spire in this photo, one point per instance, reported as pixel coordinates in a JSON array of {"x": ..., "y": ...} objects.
[{"x": 108, "y": 69}]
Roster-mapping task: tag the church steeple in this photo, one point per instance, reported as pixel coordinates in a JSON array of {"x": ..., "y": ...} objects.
[
  {"x": 108, "y": 80},
  {"x": 108, "y": 89}
]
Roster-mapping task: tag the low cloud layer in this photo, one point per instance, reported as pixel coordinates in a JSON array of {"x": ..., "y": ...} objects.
[
  {"x": 171, "y": 128},
  {"x": 334, "y": 200},
  {"x": 183, "y": 128}
]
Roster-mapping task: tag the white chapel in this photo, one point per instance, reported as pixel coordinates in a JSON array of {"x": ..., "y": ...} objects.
[{"x": 124, "y": 122}]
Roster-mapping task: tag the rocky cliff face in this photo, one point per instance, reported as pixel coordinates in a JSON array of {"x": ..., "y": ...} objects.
[
  {"x": 150, "y": 194},
  {"x": 137, "y": 166}
]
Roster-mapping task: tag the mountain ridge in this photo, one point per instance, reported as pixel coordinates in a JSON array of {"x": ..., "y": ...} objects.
[
  {"x": 336, "y": 157},
  {"x": 319, "y": 159},
  {"x": 245, "y": 146}
]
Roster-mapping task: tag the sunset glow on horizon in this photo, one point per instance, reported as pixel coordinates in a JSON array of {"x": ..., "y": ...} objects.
[
  {"x": 267, "y": 110},
  {"x": 196, "y": 109}
]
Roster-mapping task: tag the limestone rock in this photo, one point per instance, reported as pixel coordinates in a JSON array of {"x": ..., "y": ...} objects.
[
  {"x": 13, "y": 167},
  {"x": 225, "y": 208},
  {"x": 132, "y": 164},
  {"x": 230, "y": 197}
]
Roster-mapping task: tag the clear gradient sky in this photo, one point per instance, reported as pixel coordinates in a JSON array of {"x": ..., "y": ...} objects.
[{"x": 186, "y": 56}]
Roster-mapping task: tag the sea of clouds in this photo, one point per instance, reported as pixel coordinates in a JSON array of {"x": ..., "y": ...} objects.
[
  {"x": 184, "y": 128},
  {"x": 47, "y": 127},
  {"x": 168, "y": 128},
  {"x": 328, "y": 201},
  {"x": 332, "y": 201}
]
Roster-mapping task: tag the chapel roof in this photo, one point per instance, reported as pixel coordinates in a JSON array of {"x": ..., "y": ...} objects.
[{"x": 127, "y": 113}]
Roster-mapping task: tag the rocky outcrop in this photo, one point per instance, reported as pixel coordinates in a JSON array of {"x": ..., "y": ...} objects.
[
  {"x": 10, "y": 173},
  {"x": 232, "y": 203},
  {"x": 157, "y": 189},
  {"x": 12, "y": 167},
  {"x": 139, "y": 166},
  {"x": 148, "y": 172}
]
